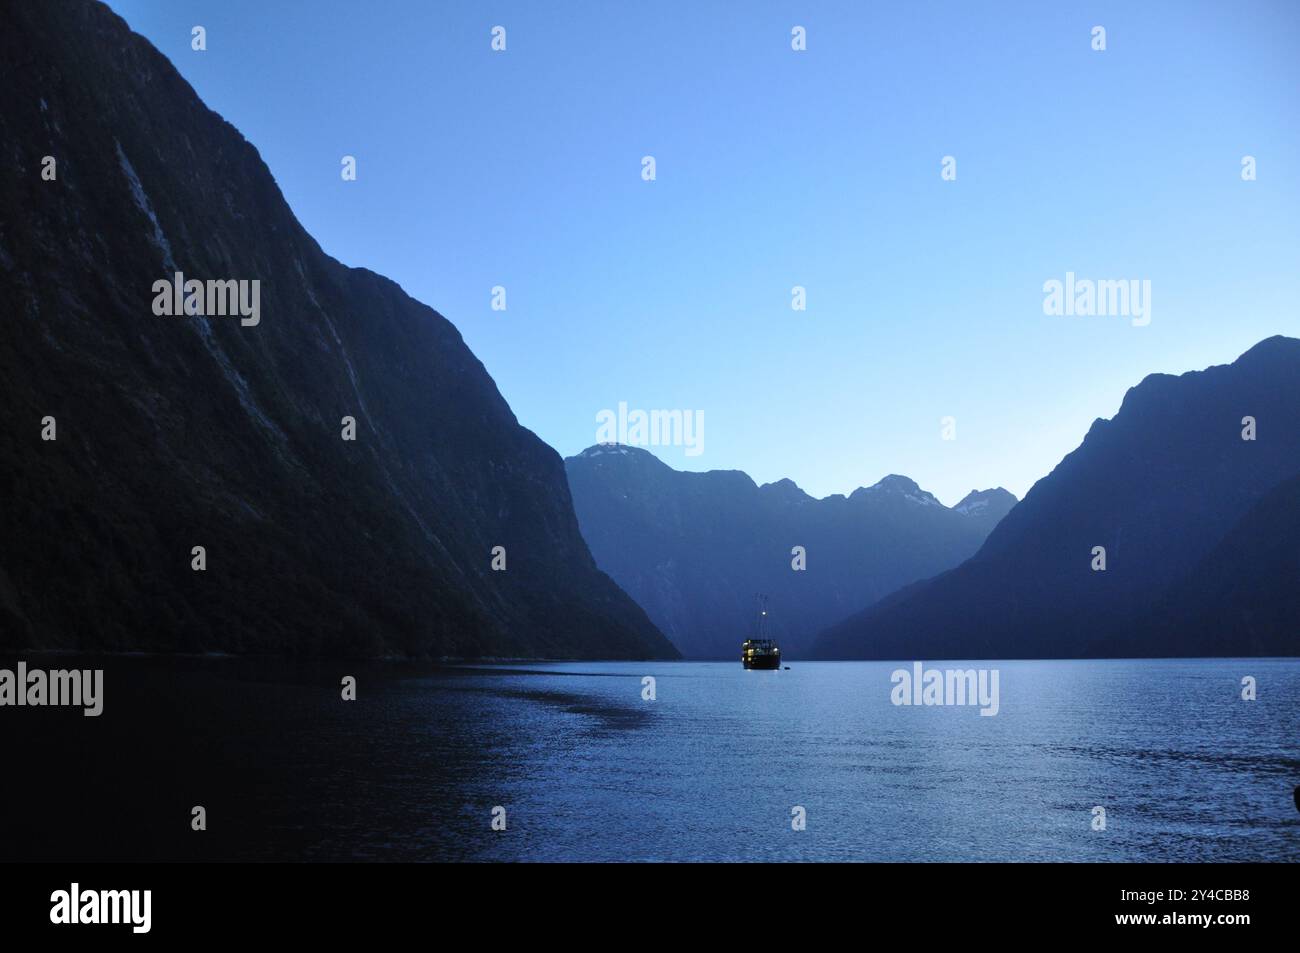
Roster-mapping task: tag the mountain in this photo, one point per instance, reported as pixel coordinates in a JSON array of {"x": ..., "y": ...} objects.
[
  {"x": 989, "y": 505},
  {"x": 694, "y": 549},
  {"x": 1191, "y": 517},
  {"x": 223, "y": 432},
  {"x": 1246, "y": 586}
]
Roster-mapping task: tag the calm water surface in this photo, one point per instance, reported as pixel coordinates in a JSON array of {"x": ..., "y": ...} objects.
[{"x": 709, "y": 770}]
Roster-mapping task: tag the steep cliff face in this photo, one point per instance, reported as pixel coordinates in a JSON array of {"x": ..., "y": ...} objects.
[
  {"x": 1244, "y": 597},
  {"x": 199, "y": 430},
  {"x": 695, "y": 548},
  {"x": 1190, "y": 516}
]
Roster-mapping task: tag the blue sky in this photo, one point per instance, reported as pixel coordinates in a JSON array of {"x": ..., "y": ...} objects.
[{"x": 774, "y": 169}]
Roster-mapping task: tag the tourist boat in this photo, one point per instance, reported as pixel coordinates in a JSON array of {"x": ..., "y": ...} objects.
[{"x": 760, "y": 651}]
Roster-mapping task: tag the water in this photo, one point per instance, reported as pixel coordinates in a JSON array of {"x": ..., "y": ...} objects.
[{"x": 709, "y": 770}]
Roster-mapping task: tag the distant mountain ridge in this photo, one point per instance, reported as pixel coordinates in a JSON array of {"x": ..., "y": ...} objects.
[
  {"x": 194, "y": 430},
  {"x": 695, "y": 548},
  {"x": 986, "y": 504},
  {"x": 1192, "y": 519}
]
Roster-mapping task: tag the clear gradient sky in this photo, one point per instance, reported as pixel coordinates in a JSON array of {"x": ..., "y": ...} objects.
[{"x": 776, "y": 169}]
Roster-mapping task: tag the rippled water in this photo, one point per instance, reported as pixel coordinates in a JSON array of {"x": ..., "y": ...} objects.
[{"x": 709, "y": 770}]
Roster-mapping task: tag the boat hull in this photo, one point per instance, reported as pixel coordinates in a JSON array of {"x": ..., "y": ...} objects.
[{"x": 765, "y": 662}]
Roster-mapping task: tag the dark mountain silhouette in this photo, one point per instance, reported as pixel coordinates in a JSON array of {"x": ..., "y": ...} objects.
[
  {"x": 694, "y": 548},
  {"x": 1248, "y": 587},
  {"x": 1179, "y": 501},
  {"x": 175, "y": 432}
]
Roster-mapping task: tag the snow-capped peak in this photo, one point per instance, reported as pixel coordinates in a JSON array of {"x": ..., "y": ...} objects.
[
  {"x": 605, "y": 449},
  {"x": 895, "y": 485},
  {"x": 977, "y": 502}
]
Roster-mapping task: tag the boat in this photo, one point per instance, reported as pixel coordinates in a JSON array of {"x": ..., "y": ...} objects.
[{"x": 761, "y": 652}]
